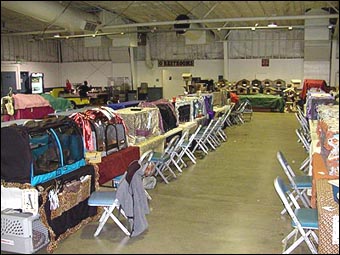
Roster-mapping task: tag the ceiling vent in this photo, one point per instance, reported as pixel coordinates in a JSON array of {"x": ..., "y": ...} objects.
[{"x": 89, "y": 26}]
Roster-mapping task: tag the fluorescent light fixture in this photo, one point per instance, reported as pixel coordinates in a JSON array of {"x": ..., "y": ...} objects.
[{"x": 272, "y": 25}]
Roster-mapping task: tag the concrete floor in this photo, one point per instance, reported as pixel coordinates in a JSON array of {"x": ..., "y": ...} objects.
[{"x": 224, "y": 204}]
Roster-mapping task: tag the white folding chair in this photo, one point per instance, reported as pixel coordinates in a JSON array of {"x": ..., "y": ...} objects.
[
  {"x": 304, "y": 221},
  {"x": 223, "y": 123},
  {"x": 145, "y": 163},
  {"x": 299, "y": 184},
  {"x": 177, "y": 149},
  {"x": 185, "y": 146},
  {"x": 237, "y": 113},
  {"x": 201, "y": 139},
  {"x": 163, "y": 161},
  {"x": 108, "y": 200}
]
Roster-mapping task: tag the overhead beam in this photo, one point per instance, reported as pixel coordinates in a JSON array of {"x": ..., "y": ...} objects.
[{"x": 223, "y": 20}]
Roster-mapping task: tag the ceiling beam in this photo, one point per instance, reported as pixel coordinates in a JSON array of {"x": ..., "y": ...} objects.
[{"x": 223, "y": 20}]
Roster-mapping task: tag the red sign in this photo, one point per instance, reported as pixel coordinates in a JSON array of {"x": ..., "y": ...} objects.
[{"x": 265, "y": 62}]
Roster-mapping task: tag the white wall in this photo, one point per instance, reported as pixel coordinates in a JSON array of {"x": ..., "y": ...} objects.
[
  {"x": 170, "y": 78},
  {"x": 50, "y": 71},
  {"x": 96, "y": 73},
  {"x": 250, "y": 69}
]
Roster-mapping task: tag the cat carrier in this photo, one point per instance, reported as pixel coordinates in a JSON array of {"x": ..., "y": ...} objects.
[
  {"x": 184, "y": 110},
  {"x": 168, "y": 117},
  {"x": 103, "y": 130},
  {"x": 22, "y": 232},
  {"x": 41, "y": 150}
]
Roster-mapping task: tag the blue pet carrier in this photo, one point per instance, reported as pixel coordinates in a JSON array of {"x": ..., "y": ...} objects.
[{"x": 41, "y": 150}]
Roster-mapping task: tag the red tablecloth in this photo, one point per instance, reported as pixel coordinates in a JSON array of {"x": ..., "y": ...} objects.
[
  {"x": 308, "y": 84},
  {"x": 116, "y": 163}
]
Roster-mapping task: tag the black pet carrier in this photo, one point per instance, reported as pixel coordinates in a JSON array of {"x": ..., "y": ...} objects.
[
  {"x": 169, "y": 117},
  {"x": 41, "y": 150}
]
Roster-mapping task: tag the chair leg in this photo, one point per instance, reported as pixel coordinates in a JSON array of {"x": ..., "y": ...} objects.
[
  {"x": 108, "y": 213},
  {"x": 148, "y": 195}
]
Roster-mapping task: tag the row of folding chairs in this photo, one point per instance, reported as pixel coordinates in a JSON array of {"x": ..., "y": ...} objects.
[
  {"x": 294, "y": 197},
  {"x": 241, "y": 112},
  {"x": 304, "y": 138},
  {"x": 167, "y": 164},
  {"x": 205, "y": 138}
]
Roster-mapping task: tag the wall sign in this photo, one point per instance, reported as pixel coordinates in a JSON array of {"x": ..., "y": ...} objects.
[
  {"x": 265, "y": 62},
  {"x": 175, "y": 63}
]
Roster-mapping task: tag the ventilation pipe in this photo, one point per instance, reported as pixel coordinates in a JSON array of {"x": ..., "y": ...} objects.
[
  {"x": 192, "y": 32},
  {"x": 54, "y": 13},
  {"x": 148, "y": 61}
]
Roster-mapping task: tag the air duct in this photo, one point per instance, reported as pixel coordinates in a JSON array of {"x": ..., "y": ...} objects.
[
  {"x": 193, "y": 32},
  {"x": 148, "y": 61},
  {"x": 54, "y": 13}
]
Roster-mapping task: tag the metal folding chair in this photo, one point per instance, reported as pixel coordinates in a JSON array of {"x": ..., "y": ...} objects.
[
  {"x": 110, "y": 203},
  {"x": 299, "y": 184},
  {"x": 304, "y": 221},
  {"x": 186, "y": 145},
  {"x": 164, "y": 160},
  {"x": 201, "y": 139}
]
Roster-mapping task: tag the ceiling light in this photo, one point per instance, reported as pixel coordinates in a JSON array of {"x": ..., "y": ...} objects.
[
  {"x": 256, "y": 24},
  {"x": 290, "y": 28},
  {"x": 253, "y": 28},
  {"x": 330, "y": 26},
  {"x": 122, "y": 33},
  {"x": 219, "y": 29},
  {"x": 56, "y": 35},
  {"x": 272, "y": 25}
]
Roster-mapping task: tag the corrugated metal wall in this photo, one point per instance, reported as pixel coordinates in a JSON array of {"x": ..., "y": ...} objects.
[
  {"x": 165, "y": 46},
  {"x": 24, "y": 48}
]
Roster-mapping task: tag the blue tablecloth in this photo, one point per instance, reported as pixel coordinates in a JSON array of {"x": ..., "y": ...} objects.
[{"x": 122, "y": 105}]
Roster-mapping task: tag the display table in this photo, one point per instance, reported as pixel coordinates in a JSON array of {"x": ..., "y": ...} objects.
[
  {"x": 272, "y": 102},
  {"x": 73, "y": 211},
  {"x": 325, "y": 217},
  {"x": 319, "y": 171}
]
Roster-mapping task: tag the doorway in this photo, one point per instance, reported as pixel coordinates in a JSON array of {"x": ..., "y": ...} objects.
[
  {"x": 25, "y": 83},
  {"x": 8, "y": 80}
]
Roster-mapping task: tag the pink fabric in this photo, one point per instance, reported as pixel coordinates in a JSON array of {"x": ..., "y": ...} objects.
[{"x": 23, "y": 101}]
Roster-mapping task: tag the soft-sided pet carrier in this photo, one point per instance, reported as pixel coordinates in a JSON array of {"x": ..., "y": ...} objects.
[
  {"x": 103, "y": 130},
  {"x": 167, "y": 113},
  {"x": 41, "y": 150}
]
